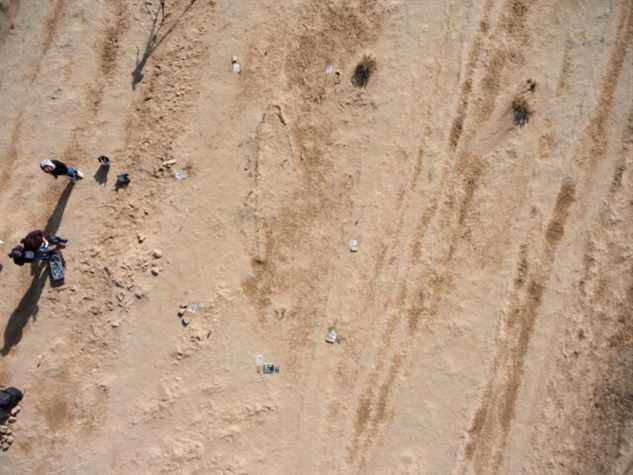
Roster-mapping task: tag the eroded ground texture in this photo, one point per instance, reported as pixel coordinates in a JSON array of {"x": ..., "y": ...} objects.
[{"x": 485, "y": 321}]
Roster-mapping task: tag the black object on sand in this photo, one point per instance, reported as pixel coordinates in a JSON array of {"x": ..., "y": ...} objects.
[{"x": 122, "y": 181}]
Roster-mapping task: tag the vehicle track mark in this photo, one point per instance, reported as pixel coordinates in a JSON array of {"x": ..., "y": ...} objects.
[
  {"x": 562, "y": 87},
  {"x": 467, "y": 86},
  {"x": 432, "y": 286},
  {"x": 492, "y": 420},
  {"x": 596, "y": 131}
]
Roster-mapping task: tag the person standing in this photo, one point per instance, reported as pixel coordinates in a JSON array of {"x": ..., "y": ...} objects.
[{"x": 57, "y": 168}]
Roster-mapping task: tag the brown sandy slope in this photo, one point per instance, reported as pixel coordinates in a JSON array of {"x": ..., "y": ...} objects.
[{"x": 486, "y": 319}]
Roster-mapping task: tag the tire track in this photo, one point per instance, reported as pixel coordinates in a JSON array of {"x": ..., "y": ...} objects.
[
  {"x": 53, "y": 21},
  {"x": 596, "y": 132},
  {"x": 423, "y": 304},
  {"x": 565, "y": 70},
  {"x": 467, "y": 86},
  {"x": 606, "y": 301},
  {"x": 492, "y": 421}
]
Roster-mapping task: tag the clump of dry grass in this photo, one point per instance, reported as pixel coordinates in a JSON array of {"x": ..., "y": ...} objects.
[
  {"x": 363, "y": 71},
  {"x": 520, "y": 111}
]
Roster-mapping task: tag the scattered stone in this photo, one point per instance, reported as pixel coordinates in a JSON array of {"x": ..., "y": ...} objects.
[
  {"x": 155, "y": 271},
  {"x": 3, "y": 429},
  {"x": 181, "y": 312},
  {"x": 12, "y": 420},
  {"x": 9, "y": 439},
  {"x": 157, "y": 253},
  {"x": 185, "y": 321},
  {"x": 115, "y": 324},
  {"x": 4, "y": 446},
  {"x": 168, "y": 163},
  {"x": 141, "y": 237}
]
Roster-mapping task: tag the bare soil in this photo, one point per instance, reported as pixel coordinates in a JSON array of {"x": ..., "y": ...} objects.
[{"x": 485, "y": 321}]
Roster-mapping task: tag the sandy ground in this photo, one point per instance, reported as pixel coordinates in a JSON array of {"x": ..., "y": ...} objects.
[{"x": 485, "y": 320}]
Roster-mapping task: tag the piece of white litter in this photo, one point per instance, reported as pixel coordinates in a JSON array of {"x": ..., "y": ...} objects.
[
  {"x": 331, "y": 336},
  {"x": 329, "y": 69},
  {"x": 235, "y": 65},
  {"x": 180, "y": 175},
  {"x": 259, "y": 360},
  {"x": 353, "y": 245}
]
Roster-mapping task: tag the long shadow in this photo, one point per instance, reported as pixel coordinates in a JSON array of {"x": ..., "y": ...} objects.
[
  {"x": 27, "y": 308},
  {"x": 155, "y": 40},
  {"x": 29, "y": 305},
  {"x": 55, "y": 221}
]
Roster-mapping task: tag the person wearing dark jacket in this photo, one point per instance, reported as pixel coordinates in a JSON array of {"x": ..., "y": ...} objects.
[
  {"x": 36, "y": 240},
  {"x": 21, "y": 256},
  {"x": 57, "y": 168},
  {"x": 9, "y": 398}
]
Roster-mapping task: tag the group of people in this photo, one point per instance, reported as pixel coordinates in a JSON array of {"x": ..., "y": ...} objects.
[{"x": 38, "y": 245}]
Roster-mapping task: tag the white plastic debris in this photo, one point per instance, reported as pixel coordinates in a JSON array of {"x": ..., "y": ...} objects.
[
  {"x": 259, "y": 360},
  {"x": 331, "y": 336},
  {"x": 353, "y": 245},
  {"x": 180, "y": 175},
  {"x": 236, "y": 65},
  {"x": 329, "y": 69}
]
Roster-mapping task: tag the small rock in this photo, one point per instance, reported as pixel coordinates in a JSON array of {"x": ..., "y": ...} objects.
[
  {"x": 155, "y": 271},
  {"x": 157, "y": 253},
  {"x": 12, "y": 420},
  {"x": 15, "y": 411},
  {"x": 4, "y": 446},
  {"x": 141, "y": 237},
  {"x": 185, "y": 322},
  {"x": 169, "y": 163},
  {"x": 181, "y": 312},
  {"x": 115, "y": 324},
  {"x": 3, "y": 429},
  {"x": 139, "y": 294}
]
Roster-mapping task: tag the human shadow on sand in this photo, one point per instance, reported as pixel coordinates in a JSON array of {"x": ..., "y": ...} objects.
[{"x": 29, "y": 304}]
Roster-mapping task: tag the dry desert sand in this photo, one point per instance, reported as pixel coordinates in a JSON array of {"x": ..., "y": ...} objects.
[{"x": 485, "y": 322}]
